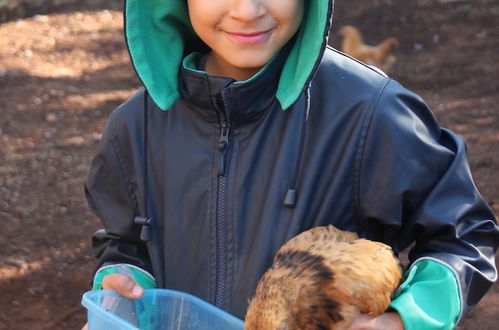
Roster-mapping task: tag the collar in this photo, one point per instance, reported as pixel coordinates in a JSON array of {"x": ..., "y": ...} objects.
[{"x": 246, "y": 100}]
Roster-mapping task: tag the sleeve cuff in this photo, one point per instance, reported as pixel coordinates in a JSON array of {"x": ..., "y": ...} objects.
[
  {"x": 429, "y": 297},
  {"x": 140, "y": 276}
]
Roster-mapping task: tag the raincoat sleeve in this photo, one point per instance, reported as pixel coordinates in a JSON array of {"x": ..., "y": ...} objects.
[
  {"x": 414, "y": 184},
  {"x": 111, "y": 194}
]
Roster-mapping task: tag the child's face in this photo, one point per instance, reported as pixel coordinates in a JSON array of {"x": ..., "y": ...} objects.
[{"x": 243, "y": 34}]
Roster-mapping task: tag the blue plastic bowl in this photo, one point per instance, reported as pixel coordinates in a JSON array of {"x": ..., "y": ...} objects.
[{"x": 157, "y": 309}]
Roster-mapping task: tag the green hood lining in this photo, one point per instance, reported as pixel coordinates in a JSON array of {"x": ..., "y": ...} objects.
[{"x": 152, "y": 28}]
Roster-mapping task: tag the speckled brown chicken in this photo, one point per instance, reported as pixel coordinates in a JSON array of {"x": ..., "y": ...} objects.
[{"x": 322, "y": 279}]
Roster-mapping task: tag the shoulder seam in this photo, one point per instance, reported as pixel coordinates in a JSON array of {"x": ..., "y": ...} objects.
[{"x": 378, "y": 71}]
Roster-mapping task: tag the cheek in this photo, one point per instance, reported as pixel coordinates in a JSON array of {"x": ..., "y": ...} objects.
[
  {"x": 204, "y": 16},
  {"x": 288, "y": 13}
]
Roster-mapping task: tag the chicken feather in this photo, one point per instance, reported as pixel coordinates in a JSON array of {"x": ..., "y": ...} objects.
[{"x": 322, "y": 279}]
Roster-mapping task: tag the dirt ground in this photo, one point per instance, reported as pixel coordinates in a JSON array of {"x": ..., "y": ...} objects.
[{"x": 62, "y": 73}]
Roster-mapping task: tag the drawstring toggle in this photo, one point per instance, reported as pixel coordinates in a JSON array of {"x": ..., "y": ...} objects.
[{"x": 290, "y": 199}]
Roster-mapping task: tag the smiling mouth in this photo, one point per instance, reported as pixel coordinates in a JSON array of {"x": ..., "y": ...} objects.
[{"x": 249, "y": 38}]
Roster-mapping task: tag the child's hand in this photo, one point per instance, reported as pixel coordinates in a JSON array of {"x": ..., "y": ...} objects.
[
  {"x": 386, "y": 321},
  {"x": 123, "y": 284}
]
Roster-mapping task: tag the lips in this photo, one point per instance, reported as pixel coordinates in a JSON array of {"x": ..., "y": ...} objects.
[{"x": 249, "y": 37}]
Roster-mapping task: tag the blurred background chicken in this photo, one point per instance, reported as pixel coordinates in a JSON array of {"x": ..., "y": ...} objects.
[
  {"x": 322, "y": 279},
  {"x": 380, "y": 55}
]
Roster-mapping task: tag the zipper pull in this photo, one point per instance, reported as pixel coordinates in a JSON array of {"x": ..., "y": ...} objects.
[{"x": 223, "y": 142}]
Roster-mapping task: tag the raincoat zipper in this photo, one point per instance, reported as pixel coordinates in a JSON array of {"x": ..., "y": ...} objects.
[{"x": 224, "y": 149}]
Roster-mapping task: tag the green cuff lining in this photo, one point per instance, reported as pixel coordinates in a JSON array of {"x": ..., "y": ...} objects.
[
  {"x": 140, "y": 276},
  {"x": 429, "y": 297}
]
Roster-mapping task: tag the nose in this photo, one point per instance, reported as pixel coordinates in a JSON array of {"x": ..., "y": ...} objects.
[{"x": 247, "y": 10}]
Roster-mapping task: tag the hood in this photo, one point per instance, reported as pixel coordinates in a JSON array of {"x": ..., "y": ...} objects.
[{"x": 159, "y": 35}]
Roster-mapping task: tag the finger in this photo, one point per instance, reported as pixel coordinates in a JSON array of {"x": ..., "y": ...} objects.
[
  {"x": 361, "y": 322},
  {"x": 123, "y": 284},
  {"x": 85, "y": 327}
]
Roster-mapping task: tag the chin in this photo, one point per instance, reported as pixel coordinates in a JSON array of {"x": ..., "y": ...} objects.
[
  {"x": 251, "y": 61},
  {"x": 253, "y": 66}
]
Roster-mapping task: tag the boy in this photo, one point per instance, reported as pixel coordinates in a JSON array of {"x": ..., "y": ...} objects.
[{"x": 266, "y": 132}]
